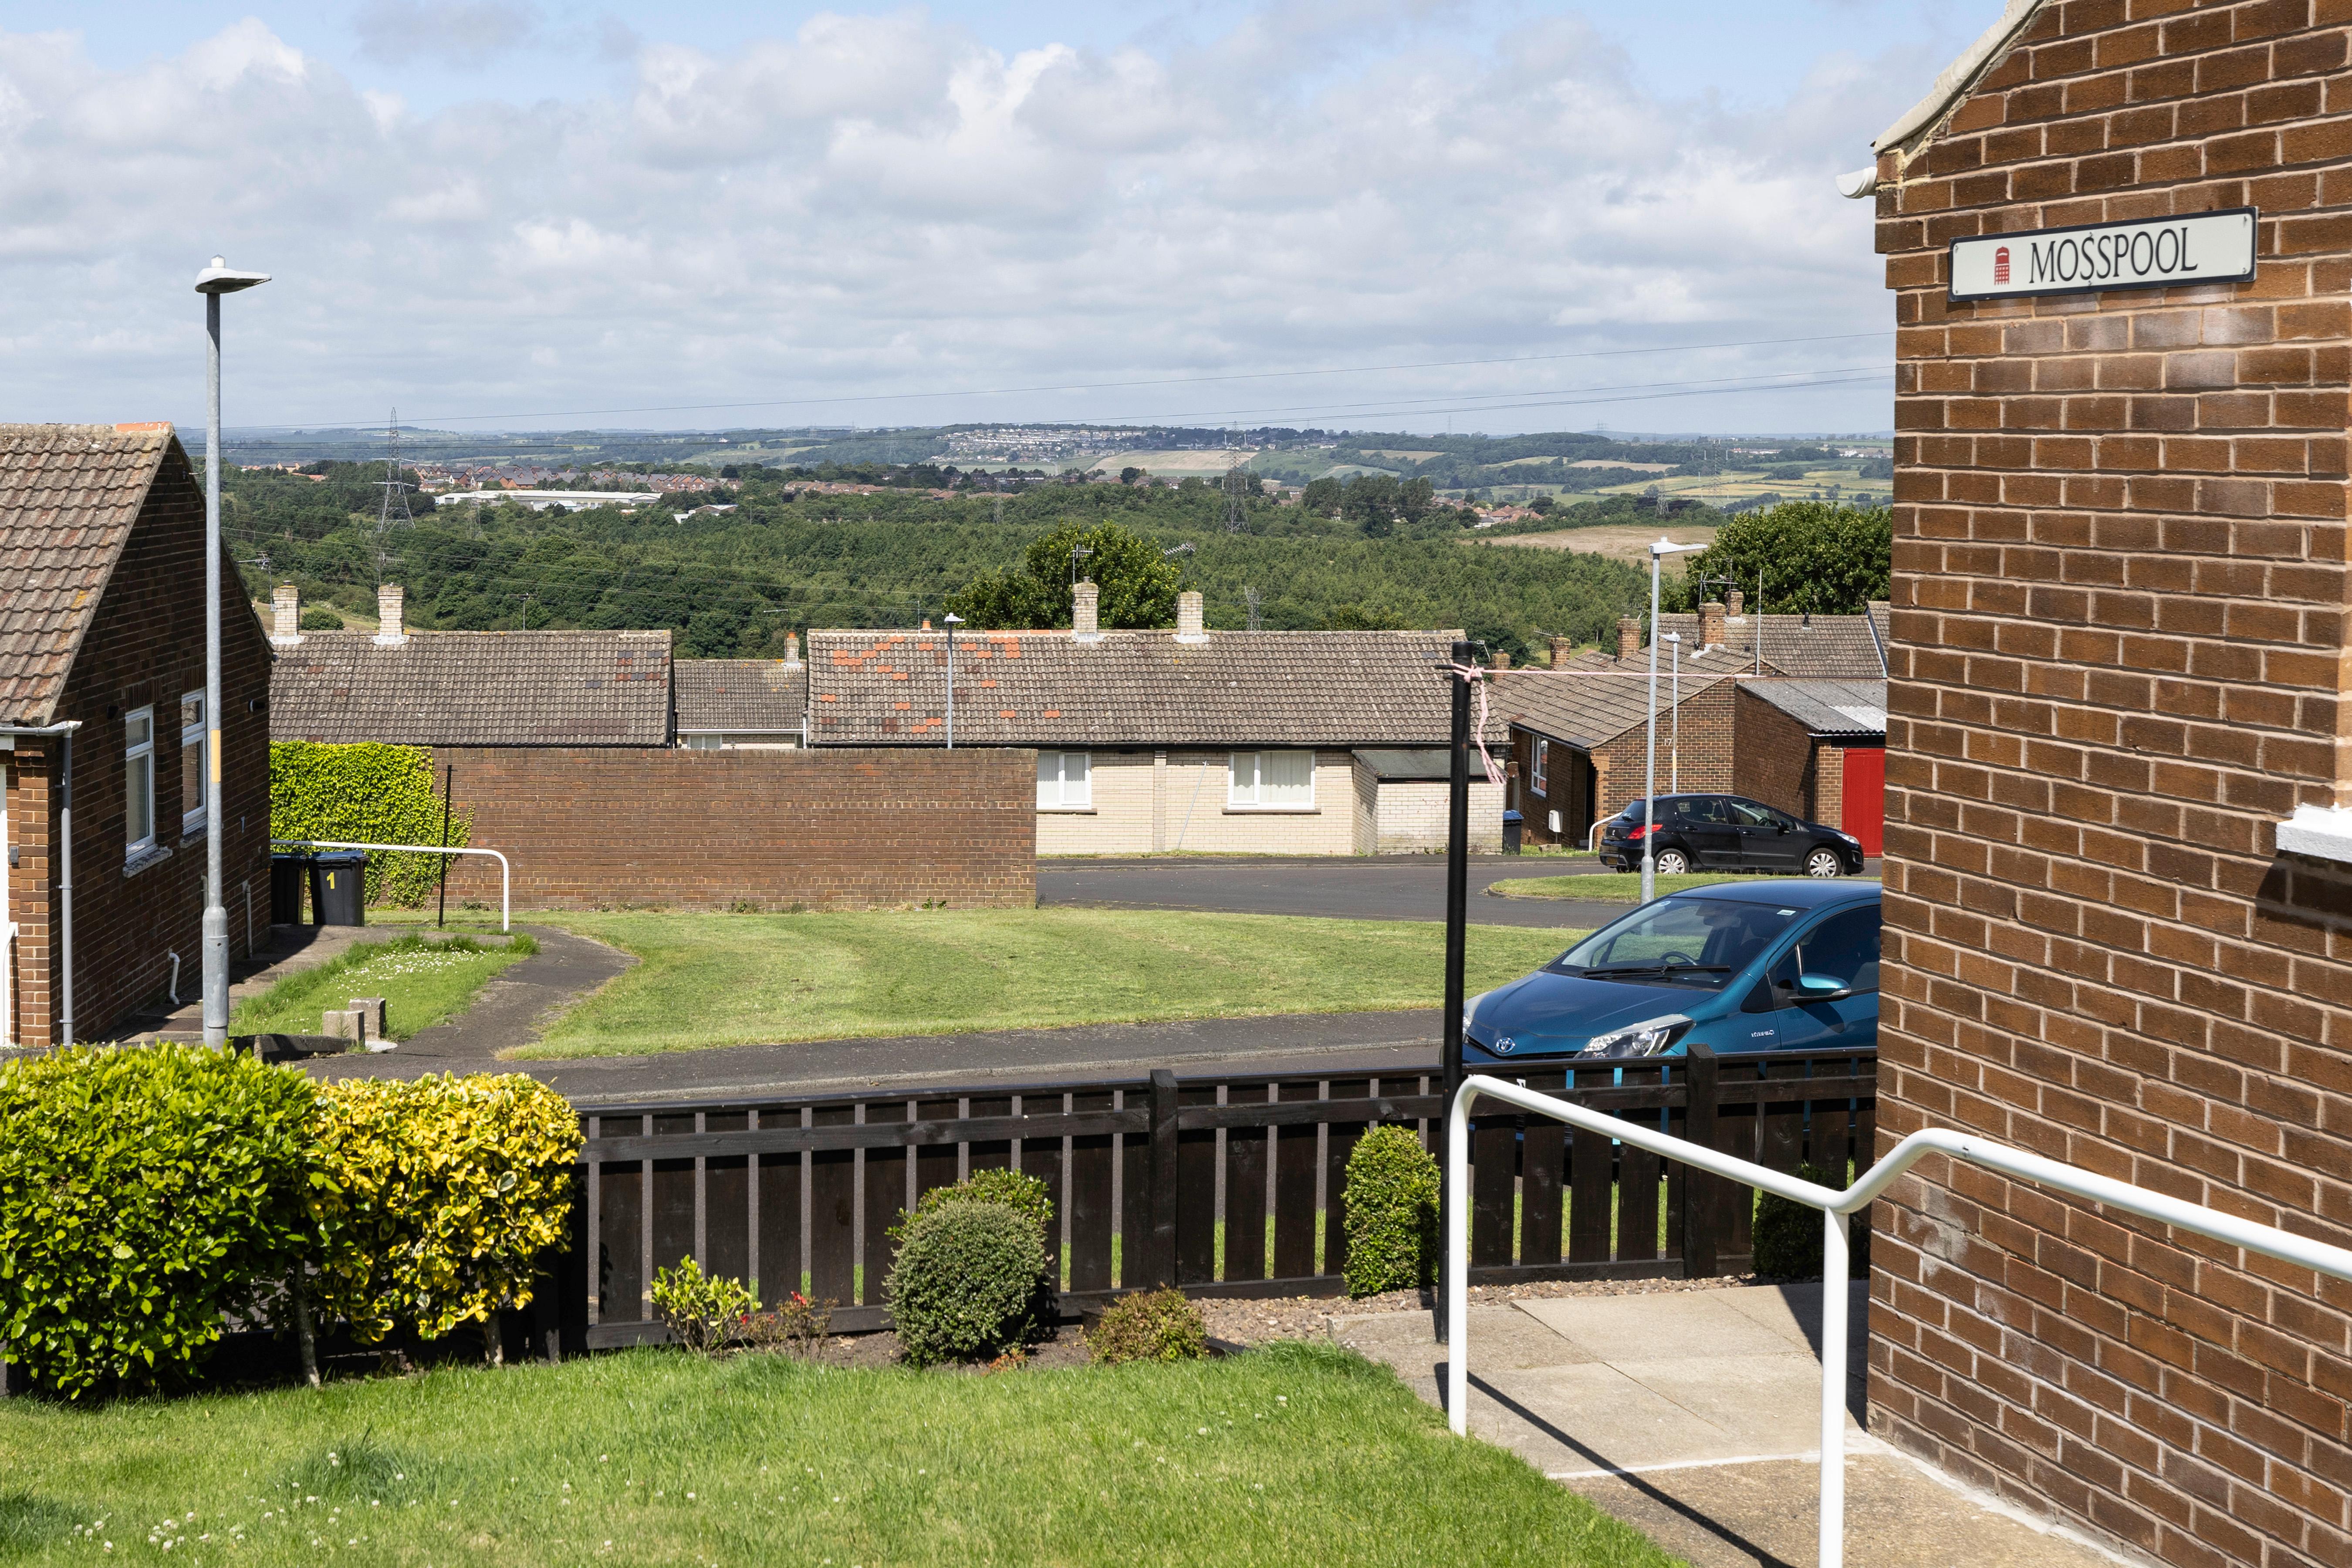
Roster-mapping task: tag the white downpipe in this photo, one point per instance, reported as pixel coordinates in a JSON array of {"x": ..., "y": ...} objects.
[
  {"x": 173, "y": 987},
  {"x": 2268, "y": 1240},
  {"x": 506, "y": 881}
]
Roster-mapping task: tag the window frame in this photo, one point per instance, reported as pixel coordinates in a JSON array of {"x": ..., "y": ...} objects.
[
  {"x": 1543, "y": 767},
  {"x": 1235, "y": 803},
  {"x": 1086, "y": 785},
  {"x": 138, "y": 752},
  {"x": 192, "y": 821}
]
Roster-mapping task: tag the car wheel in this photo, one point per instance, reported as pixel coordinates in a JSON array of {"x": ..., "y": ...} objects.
[
  {"x": 1673, "y": 863},
  {"x": 1824, "y": 863}
]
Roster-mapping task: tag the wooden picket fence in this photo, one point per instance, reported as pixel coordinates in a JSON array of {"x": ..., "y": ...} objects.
[{"x": 1229, "y": 1184}]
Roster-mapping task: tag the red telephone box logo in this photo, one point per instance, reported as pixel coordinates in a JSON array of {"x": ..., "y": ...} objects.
[{"x": 2001, "y": 265}]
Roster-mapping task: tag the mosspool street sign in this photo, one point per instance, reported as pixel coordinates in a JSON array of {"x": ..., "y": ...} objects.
[{"x": 2155, "y": 253}]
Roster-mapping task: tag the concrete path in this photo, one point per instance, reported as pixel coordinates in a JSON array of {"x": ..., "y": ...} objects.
[{"x": 1695, "y": 1417}]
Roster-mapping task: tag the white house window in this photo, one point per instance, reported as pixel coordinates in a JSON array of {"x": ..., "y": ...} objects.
[
  {"x": 1065, "y": 781},
  {"x": 1543, "y": 763},
  {"x": 192, "y": 761},
  {"x": 138, "y": 781},
  {"x": 1278, "y": 781}
]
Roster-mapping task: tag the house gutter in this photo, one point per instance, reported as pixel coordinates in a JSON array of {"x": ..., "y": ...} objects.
[{"x": 8, "y": 733}]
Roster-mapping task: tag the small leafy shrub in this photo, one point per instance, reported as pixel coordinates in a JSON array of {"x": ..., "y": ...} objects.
[
  {"x": 795, "y": 1325},
  {"x": 365, "y": 794},
  {"x": 438, "y": 1197},
  {"x": 1150, "y": 1325},
  {"x": 1392, "y": 1197},
  {"x": 144, "y": 1193},
  {"x": 318, "y": 619},
  {"x": 1023, "y": 1193},
  {"x": 703, "y": 1311},
  {"x": 971, "y": 1278},
  {"x": 1788, "y": 1235}
]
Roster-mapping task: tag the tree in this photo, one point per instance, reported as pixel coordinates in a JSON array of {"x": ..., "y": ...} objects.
[
  {"x": 1137, "y": 585},
  {"x": 1813, "y": 558},
  {"x": 1322, "y": 496},
  {"x": 1129, "y": 476}
]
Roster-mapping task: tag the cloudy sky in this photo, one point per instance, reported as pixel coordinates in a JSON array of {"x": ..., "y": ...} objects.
[{"x": 502, "y": 213}]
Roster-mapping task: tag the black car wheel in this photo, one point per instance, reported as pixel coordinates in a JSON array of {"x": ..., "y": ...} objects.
[
  {"x": 1673, "y": 863},
  {"x": 1824, "y": 862}
]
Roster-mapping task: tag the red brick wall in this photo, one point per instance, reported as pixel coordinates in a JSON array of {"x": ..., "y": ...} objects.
[
  {"x": 1776, "y": 757},
  {"x": 2119, "y": 659},
  {"x": 145, "y": 646},
  {"x": 1706, "y": 752},
  {"x": 604, "y": 827}
]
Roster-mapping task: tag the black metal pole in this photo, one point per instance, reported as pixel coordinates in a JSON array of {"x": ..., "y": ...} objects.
[
  {"x": 448, "y": 789},
  {"x": 1457, "y": 915}
]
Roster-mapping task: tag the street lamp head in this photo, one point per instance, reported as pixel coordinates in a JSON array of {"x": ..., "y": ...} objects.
[
  {"x": 1668, "y": 547},
  {"x": 220, "y": 278},
  {"x": 952, "y": 619}
]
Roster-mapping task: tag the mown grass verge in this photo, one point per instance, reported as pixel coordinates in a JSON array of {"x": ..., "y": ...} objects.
[
  {"x": 1614, "y": 887},
  {"x": 1290, "y": 1454},
  {"x": 421, "y": 982},
  {"x": 724, "y": 980}
]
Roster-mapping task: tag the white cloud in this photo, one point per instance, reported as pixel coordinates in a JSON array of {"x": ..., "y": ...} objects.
[
  {"x": 882, "y": 204},
  {"x": 457, "y": 34}
]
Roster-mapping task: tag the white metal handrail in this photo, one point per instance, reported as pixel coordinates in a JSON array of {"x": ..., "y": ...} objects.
[
  {"x": 2268, "y": 1240},
  {"x": 506, "y": 882}
]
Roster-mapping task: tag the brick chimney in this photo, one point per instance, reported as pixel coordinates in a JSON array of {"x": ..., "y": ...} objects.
[
  {"x": 1188, "y": 618},
  {"x": 1710, "y": 624},
  {"x": 791, "y": 650},
  {"x": 285, "y": 615},
  {"x": 1629, "y": 636},
  {"x": 1498, "y": 659},
  {"x": 1736, "y": 603},
  {"x": 389, "y": 630},
  {"x": 1083, "y": 598},
  {"x": 1562, "y": 650}
]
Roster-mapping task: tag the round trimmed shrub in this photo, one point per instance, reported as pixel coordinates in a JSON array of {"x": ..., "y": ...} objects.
[
  {"x": 143, "y": 1193},
  {"x": 1788, "y": 1235},
  {"x": 969, "y": 1280},
  {"x": 1150, "y": 1325},
  {"x": 1023, "y": 1193},
  {"x": 1391, "y": 1198}
]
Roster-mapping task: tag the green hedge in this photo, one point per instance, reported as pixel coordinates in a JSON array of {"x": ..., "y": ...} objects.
[
  {"x": 144, "y": 1193},
  {"x": 1392, "y": 1194},
  {"x": 370, "y": 795}
]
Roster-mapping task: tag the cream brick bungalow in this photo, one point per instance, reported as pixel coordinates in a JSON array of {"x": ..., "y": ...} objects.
[{"x": 1157, "y": 742}]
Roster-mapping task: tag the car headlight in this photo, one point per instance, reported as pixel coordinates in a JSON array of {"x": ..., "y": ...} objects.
[
  {"x": 1470, "y": 1009},
  {"x": 1849, "y": 838},
  {"x": 1646, "y": 1038}
]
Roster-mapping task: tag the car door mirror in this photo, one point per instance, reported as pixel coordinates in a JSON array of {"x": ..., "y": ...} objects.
[{"x": 1820, "y": 987}]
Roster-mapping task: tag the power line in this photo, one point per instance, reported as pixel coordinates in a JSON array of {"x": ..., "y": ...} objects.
[{"x": 1090, "y": 386}]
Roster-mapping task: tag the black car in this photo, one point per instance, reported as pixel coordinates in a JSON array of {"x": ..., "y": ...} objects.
[{"x": 1728, "y": 833}]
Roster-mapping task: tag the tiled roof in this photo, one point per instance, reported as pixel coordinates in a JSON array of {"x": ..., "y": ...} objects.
[
  {"x": 475, "y": 688},
  {"x": 1820, "y": 647},
  {"x": 1587, "y": 708},
  {"x": 1840, "y": 707},
  {"x": 69, "y": 496},
  {"x": 739, "y": 696},
  {"x": 1131, "y": 689}
]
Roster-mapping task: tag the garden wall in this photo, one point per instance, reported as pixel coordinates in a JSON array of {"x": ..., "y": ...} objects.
[{"x": 590, "y": 828}]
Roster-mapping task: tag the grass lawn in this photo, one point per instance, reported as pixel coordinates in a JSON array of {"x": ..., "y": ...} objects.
[
  {"x": 1292, "y": 1455},
  {"x": 421, "y": 981},
  {"x": 1608, "y": 886},
  {"x": 725, "y": 980}
]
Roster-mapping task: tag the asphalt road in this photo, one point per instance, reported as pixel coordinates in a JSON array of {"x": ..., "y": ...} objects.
[{"x": 1391, "y": 887}]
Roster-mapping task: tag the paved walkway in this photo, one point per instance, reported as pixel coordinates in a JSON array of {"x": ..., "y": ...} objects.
[{"x": 1695, "y": 1417}]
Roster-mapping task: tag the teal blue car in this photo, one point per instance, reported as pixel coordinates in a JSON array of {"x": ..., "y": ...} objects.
[{"x": 1776, "y": 965}]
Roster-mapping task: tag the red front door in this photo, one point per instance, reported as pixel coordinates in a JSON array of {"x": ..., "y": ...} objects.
[{"x": 1865, "y": 796}]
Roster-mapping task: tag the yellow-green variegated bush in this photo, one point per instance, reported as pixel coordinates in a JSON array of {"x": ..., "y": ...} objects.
[{"x": 436, "y": 1198}]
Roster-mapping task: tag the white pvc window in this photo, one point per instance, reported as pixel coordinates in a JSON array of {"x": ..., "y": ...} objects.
[
  {"x": 1543, "y": 763},
  {"x": 192, "y": 761},
  {"x": 1065, "y": 781},
  {"x": 138, "y": 781},
  {"x": 1277, "y": 781}
]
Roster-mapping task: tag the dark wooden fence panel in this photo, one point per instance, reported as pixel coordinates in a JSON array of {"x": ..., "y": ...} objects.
[{"x": 1176, "y": 1180}]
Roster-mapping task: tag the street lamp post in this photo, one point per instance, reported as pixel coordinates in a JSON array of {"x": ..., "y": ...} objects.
[
  {"x": 213, "y": 281},
  {"x": 953, "y": 621},
  {"x": 1658, "y": 553}
]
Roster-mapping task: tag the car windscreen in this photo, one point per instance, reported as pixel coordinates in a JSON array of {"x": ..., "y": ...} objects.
[{"x": 1687, "y": 940}]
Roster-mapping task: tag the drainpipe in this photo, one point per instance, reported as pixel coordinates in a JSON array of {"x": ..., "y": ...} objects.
[{"x": 8, "y": 733}]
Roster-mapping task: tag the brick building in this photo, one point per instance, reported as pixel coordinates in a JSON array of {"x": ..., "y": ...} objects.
[
  {"x": 2118, "y": 863},
  {"x": 1580, "y": 744},
  {"x": 1154, "y": 741},
  {"x": 1817, "y": 749},
  {"x": 101, "y": 726}
]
